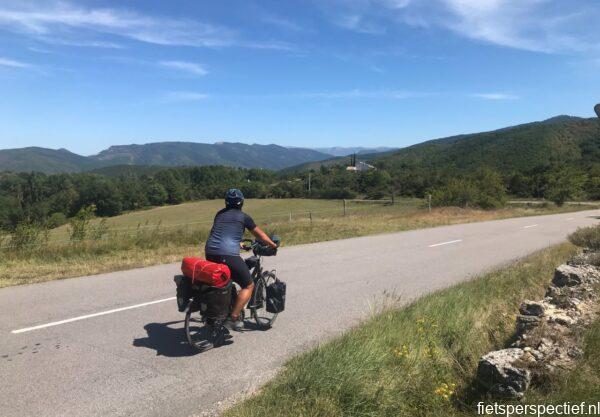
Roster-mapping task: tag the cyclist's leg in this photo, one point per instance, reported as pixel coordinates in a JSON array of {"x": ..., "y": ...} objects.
[
  {"x": 240, "y": 274},
  {"x": 242, "y": 277}
]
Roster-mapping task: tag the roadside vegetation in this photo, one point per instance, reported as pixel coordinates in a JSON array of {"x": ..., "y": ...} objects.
[
  {"x": 420, "y": 360},
  {"x": 91, "y": 245}
]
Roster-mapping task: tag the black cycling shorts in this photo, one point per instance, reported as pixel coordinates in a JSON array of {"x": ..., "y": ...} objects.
[{"x": 240, "y": 274}]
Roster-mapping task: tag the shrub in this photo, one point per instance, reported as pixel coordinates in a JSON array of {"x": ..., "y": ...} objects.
[
  {"x": 485, "y": 189},
  {"x": 456, "y": 192},
  {"x": 100, "y": 230},
  {"x": 336, "y": 193},
  {"x": 587, "y": 237},
  {"x": 79, "y": 224},
  {"x": 27, "y": 236},
  {"x": 56, "y": 220}
]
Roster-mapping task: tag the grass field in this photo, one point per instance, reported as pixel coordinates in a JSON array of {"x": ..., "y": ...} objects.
[
  {"x": 166, "y": 234},
  {"x": 420, "y": 360},
  {"x": 201, "y": 213}
]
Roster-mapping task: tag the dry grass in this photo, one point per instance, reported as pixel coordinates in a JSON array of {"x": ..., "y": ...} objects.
[
  {"x": 40, "y": 269},
  {"x": 419, "y": 360},
  {"x": 201, "y": 213},
  {"x": 156, "y": 245}
]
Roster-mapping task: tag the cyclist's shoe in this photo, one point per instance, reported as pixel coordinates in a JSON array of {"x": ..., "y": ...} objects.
[{"x": 237, "y": 324}]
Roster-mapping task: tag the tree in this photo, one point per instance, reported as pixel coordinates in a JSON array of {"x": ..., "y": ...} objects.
[
  {"x": 565, "y": 184},
  {"x": 157, "y": 195},
  {"x": 173, "y": 187}
]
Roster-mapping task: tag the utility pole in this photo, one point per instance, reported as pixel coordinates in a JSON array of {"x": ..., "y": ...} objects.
[
  {"x": 429, "y": 201},
  {"x": 344, "y": 201}
]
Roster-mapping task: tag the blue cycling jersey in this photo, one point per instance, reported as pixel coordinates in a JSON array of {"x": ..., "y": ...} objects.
[{"x": 227, "y": 232}]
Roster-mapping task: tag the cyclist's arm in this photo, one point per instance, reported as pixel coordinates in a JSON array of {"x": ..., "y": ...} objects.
[{"x": 262, "y": 236}]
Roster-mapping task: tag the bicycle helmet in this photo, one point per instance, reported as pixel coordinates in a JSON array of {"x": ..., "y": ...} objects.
[{"x": 234, "y": 198}]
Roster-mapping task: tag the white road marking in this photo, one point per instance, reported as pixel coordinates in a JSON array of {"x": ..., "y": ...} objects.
[
  {"x": 531, "y": 225},
  {"x": 89, "y": 316},
  {"x": 445, "y": 243},
  {"x": 571, "y": 218}
]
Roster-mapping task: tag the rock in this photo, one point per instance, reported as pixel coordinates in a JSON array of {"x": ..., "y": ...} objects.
[
  {"x": 567, "y": 276},
  {"x": 562, "y": 319},
  {"x": 588, "y": 258},
  {"x": 545, "y": 347},
  {"x": 573, "y": 275},
  {"x": 500, "y": 373},
  {"x": 532, "y": 308},
  {"x": 574, "y": 352},
  {"x": 574, "y": 304},
  {"x": 526, "y": 323}
]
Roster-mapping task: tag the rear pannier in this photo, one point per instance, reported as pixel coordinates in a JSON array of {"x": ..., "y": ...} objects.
[
  {"x": 201, "y": 271},
  {"x": 215, "y": 301},
  {"x": 184, "y": 291}
]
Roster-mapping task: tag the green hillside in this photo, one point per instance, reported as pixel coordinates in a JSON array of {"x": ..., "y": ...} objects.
[
  {"x": 43, "y": 160},
  {"x": 561, "y": 140},
  {"x": 558, "y": 140}
]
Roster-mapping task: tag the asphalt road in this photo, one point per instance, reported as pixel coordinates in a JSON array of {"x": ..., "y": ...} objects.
[{"x": 133, "y": 360}]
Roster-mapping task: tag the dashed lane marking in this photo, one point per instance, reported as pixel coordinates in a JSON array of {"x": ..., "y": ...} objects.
[{"x": 445, "y": 243}]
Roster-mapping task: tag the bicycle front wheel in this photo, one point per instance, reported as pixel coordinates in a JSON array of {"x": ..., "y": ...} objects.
[{"x": 263, "y": 318}]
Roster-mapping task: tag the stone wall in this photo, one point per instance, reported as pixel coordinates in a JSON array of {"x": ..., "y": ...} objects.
[{"x": 548, "y": 332}]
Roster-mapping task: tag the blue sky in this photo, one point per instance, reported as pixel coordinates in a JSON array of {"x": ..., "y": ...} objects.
[{"x": 89, "y": 74}]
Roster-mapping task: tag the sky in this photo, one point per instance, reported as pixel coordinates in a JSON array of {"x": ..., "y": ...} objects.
[{"x": 85, "y": 75}]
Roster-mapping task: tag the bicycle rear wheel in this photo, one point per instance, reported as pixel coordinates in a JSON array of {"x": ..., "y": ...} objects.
[
  {"x": 200, "y": 335},
  {"x": 263, "y": 318}
]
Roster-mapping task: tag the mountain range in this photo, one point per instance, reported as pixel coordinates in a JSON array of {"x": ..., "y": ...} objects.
[
  {"x": 158, "y": 154},
  {"x": 559, "y": 140},
  {"x": 345, "y": 151}
]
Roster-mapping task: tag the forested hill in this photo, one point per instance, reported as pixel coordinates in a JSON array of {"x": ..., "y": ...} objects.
[
  {"x": 166, "y": 154},
  {"x": 43, "y": 160},
  {"x": 561, "y": 140}
]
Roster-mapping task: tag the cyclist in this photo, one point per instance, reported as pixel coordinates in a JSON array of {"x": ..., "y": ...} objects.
[{"x": 223, "y": 246}]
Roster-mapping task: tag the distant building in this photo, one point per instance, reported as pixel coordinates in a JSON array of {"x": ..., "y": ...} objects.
[{"x": 358, "y": 165}]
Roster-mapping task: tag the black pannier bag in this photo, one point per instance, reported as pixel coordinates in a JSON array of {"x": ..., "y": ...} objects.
[
  {"x": 266, "y": 250},
  {"x": 215, "y": 301},
  {"x": 184, "y": 291},
  {"x": 276, "y": 297}
]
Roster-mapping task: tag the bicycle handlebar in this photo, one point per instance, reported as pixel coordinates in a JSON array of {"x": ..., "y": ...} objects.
[
  {"x": 247, "y": 248},
  {"x": 252, "y": 244}
]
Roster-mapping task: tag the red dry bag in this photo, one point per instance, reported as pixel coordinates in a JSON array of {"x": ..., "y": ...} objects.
[{"x": 206, "y": 272}]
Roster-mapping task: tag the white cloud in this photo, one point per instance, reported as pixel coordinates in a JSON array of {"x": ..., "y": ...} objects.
[
  {"x": 174, "y": 96},
  {"x": 5, "y": 62},
  {"x": 495, "y": 96},
  {"x": 82, "y": 43},
  {"x": 190, "y": 67},
  {"x": 551, "y": 26},
  {"x": 51, "y": 18}
]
